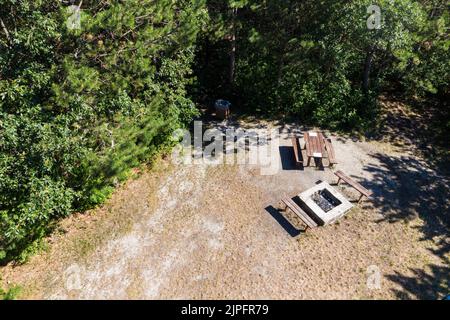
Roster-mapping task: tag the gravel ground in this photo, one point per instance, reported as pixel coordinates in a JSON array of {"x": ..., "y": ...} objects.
[{"x": 214, "y": 232}]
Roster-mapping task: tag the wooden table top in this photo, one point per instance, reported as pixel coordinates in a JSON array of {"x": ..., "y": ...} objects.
[{"x": 314, "y": 144}]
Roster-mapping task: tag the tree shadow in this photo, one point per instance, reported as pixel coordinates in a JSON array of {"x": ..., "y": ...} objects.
[
  {"x": 423, "y": 285},
  {"x": 405, "y": 188},
  {"x": 421, "y": 125}
]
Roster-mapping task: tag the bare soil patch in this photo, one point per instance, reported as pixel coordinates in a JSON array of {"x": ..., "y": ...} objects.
[{"x": 210, "y": 232}]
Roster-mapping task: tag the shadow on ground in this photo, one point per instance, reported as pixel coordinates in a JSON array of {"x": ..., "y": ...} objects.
[
  {"x": 287, "y": 158},
  {"x": 275, "y": 213},
  {"x": 421, "y": 126},
  {"x": 404, "y": 188}
]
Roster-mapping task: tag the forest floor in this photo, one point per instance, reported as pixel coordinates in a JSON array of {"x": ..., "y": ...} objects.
[{"x": 214, "y": 231}]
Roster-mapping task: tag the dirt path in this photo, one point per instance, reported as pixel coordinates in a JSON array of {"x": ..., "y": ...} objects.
[{"x": 214, "y": 232}]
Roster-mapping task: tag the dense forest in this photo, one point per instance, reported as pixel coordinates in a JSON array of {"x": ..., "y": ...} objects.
[{"x": 80, "y": 106}]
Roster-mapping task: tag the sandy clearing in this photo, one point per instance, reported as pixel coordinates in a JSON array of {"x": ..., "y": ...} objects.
[{"x": 207, "y": 232}]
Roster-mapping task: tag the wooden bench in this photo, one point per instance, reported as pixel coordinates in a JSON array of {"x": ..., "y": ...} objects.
[
  {"x": 330, "y": 151},
  {"x": 363, "y": 191},
  {"x": 289, "y": 203},
  {"x": 297, "y": 150}
]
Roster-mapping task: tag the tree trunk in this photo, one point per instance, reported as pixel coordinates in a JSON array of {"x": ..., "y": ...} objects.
[
  {"x": 280, "y": 67},
  {"x": 367, "y": 67},
  {"x": 232, "y": 62},
  {"x": 5, "y": 30}
]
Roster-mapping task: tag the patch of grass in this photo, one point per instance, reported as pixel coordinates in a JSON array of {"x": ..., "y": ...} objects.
[
  {"x": 36, "y": 247},
  {"x": 11, "y": 293},
  {"x": 111, "y": 221},
  {"x": 84, "y": 246}
]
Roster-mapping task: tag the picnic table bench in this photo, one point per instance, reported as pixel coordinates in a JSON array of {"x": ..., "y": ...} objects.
[
  {"x": 297, "y": 151},
  {"x": 289, "y": 203},
  {"x": 330, "y": 151},
  {"x": 363, "y": 191}
]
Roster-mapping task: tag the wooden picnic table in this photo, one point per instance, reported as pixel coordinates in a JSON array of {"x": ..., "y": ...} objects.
[{"x": 314, "y": 145}]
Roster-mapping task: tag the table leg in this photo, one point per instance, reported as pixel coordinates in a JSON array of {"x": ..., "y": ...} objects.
[{"x": 360, "y": 198}]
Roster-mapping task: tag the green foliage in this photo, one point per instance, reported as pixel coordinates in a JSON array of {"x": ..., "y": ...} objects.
[
  {"x": 307, "y": 58},
  {"x": 426, "y": 69},
  {"x": 10, "y": 294},
  {"x": 80, "y": 108}
]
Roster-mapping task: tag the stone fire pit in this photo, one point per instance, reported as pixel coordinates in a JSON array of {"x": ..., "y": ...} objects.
[{"x": 324, "y": 203}]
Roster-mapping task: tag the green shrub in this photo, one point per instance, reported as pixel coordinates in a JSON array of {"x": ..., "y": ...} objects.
[
  {"x": 11, "y": 293},
  {"x": 80, "y": 108},
  {"x": 307, "y": 59}
]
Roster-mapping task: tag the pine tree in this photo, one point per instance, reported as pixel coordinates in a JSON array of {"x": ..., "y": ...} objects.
[{"x": 82, "y": 102}]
